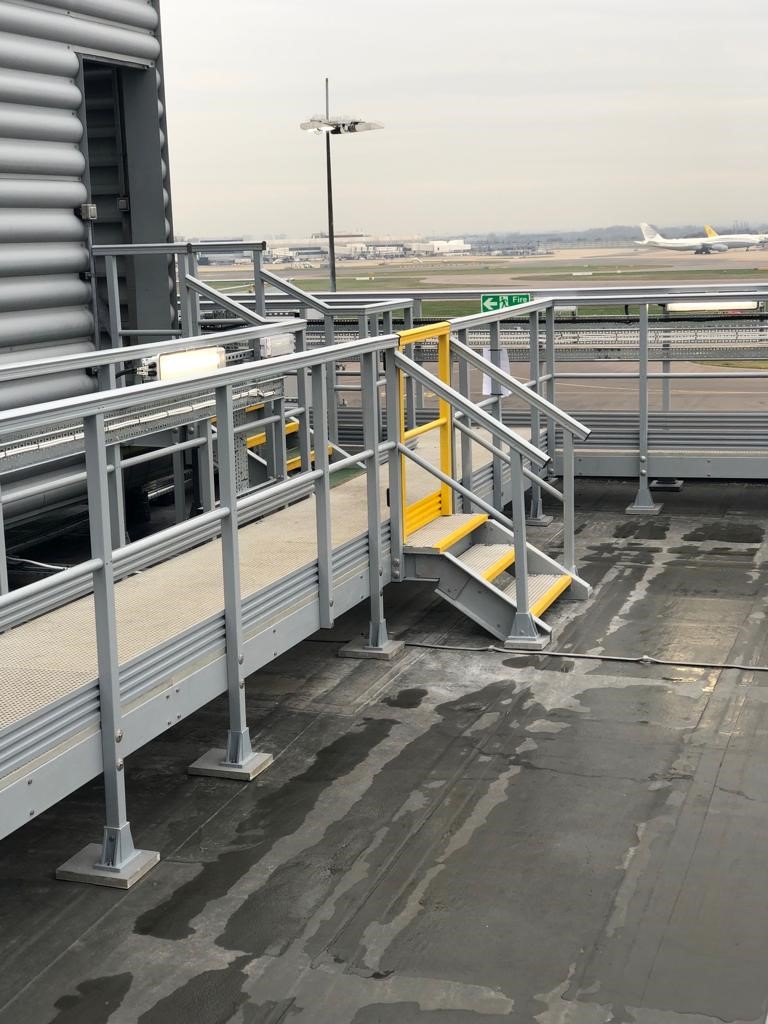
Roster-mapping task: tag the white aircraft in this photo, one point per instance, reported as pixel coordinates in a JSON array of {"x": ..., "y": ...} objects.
[
  {"x": 652, "y": 238},
  {"x": 736, "y": 241}
]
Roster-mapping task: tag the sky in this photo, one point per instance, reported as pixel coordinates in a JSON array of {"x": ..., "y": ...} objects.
[{"x": 499, "y": 115}]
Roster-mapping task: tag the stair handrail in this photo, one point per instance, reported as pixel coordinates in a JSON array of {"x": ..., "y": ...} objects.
[
  {"x": 472, "y": 411},
  {"x": 225, "y": 301},
  {"x": 506, "y": 380}
]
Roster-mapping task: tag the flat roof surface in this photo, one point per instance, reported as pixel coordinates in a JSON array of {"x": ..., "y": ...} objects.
[{"x": 461, "y": 836}]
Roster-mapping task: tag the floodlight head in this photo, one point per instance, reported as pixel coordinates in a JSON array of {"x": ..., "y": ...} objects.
[
  {"x": 339, "y": 125},
  {"x": 316, "y": 125},
  {"x": 360, "y": 126}
]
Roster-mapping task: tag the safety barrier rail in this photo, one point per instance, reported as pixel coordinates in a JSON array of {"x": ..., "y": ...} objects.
[
  {"x": 371, "y": 315},
  {"x": 457, "y": 411},
  {"x": 100, "y": 415}
]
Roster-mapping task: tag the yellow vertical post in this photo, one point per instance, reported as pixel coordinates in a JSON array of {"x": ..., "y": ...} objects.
[
  {"x": 440, "y": 502},
  {"x": 446, "y": 415}
]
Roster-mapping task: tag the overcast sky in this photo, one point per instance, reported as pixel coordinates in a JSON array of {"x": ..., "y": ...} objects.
[{"x": 499, "y": 114}]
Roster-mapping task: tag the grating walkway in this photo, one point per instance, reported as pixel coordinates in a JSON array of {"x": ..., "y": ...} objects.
[{"x": 46, "y": 659}]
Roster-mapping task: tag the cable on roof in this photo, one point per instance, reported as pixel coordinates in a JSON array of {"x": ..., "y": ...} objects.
[{"x": 641, "y": 659}]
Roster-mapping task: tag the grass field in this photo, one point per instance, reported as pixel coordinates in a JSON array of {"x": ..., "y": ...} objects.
[{"x": 510, "y": 275}]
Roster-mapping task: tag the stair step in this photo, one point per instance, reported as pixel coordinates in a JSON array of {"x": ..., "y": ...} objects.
[
  {"x": 443, "y": 532},
  {"x": 543, "y": 590},
  {"x": 488, "y": 560}
]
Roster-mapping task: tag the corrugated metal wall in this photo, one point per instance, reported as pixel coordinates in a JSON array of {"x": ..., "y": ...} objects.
[{"x": 45, "y": 297}]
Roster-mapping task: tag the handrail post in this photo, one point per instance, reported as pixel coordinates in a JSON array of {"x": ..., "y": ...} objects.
[
  {"x": 549, "y": 355},
  {"x": 396, "y": 460},
  {"x": 107, "y": 374},
  {"x": 378, "y": 646},
  {"x": 116, "y": 496},
  {"x": 524, "y": 632},
  {"x": 259, "y": 303},
  {"x": 411, "y": 419},
  {"x": 302, "y": 392},
  {"x": 323, "y": 494},
  {"x": 536, "y": 516},
  {"x": 666, "y": 366},
  {"x": 114, "y": 862},
  {"x": 205, "y": 467},
  {"x": 466, "y": 442},
  {"x": 238, "y": 760},
  {"x": 187, "y": 296},
  {"x": 178, "y": 462},
  {"x": 643, "y": 503},
  {"x": 4, "y": 586},
  {"x": 495, "y": 410}
]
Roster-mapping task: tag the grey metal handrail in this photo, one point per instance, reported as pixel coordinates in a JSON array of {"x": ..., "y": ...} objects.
[
  {"x": 221, "y": 299},
  {"x": 134, "y": 353},
  {"x": 533, "y": 399},
  {"x": 139, "y": 394},
  {"x": 473, "y": 412},
  {"x": 176, "y": 248},
  {"x": 499, "y": 454}
]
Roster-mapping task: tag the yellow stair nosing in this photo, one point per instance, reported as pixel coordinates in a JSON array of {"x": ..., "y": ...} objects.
[
  {"x": 498, "y": 567},
  {"x": 551, "y": 595},
  {"x": 460, "y": 532}
]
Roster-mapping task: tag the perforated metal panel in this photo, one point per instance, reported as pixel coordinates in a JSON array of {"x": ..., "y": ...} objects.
[{"x": 32, "y": 447}]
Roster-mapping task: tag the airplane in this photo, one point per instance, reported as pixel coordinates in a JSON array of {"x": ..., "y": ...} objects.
[
  {"x": 700, "y": 246},
  {"x": 745, "y": 241}
]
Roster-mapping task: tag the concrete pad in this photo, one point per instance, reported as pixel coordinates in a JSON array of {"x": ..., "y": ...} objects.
[
  {"x": 359, "y": 649},
  {"x": 643, "y": 510},
  {"x": 83, "y": 868},
  {"x": 213, "y": 764}
]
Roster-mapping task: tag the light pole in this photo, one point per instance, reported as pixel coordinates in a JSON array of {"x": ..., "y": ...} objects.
[{"x": 329, "y": 126}]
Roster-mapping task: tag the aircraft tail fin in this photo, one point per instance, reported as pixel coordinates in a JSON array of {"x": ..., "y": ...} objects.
[
  {"x": 710, "y": 231},
  {"x": 649, "y": 232}
]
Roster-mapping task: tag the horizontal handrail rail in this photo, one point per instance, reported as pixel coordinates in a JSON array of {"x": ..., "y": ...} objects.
[
  {"x": 224, "y": 300},
  {"x": 484, "y": 443},
  {"x": 685, "y": 375},
  {"x": 175, "y": 248},
  {"x": 508, "y": 312},
  {"x": 31, "y": 590},
  {"x": 489, "y": 509},
  {"x": 376, "y": 306},
  {"x": 307, "y": 298},
  {"x": 155, "y": 540},
  {"x": 458, "y": 401},
  {"x": 533, "y": 399},
  {"x": 565, "y": 296},
  {"x": 285, "y": 487},
  {"x": 133, "y": 353},
  {"x": 139, "y": 394},
  {"x": 328, "y": 307}
]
